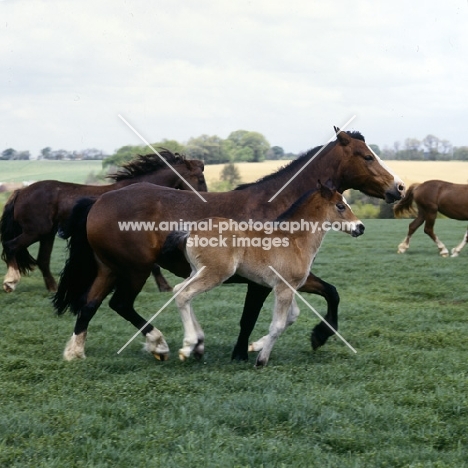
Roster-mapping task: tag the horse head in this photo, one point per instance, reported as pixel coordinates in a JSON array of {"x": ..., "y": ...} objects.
[{"x": 363, "y": 170}]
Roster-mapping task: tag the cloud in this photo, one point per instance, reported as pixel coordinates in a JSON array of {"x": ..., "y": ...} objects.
[{"x": 178, "y": 69}]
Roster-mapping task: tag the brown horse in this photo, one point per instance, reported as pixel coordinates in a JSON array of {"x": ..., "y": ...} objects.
[
  {"x": 35, "y": 213},
  {"x": 431, "y": 197},
  {"x": 224, "y": 249},
  {"x": 125, "y": 257}
]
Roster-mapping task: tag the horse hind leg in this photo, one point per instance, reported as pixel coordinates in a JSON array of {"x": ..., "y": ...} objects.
[
  {"x": 414, "y": 225},
  {"x": 293, "y": 313},
  {"x": 283, "y": 300},
  {"x": 161, "y": 282},
  {"x": 429, "y": 230},
  {"x": 102, "y": 285},
  {"x": 456, "y": 250},
  {"x": 43, "y": 261}
]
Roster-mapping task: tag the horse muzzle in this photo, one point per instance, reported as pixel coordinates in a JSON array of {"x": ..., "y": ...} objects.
[
  {"x": 397, "y": 192},
  {"x": 358, "y": 230}
]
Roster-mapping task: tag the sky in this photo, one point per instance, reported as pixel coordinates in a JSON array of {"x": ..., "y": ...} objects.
[{"x": 179, "y": 69}]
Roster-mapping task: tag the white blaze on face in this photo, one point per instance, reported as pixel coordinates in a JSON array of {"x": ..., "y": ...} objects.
[{"x": 397, "y": 179}]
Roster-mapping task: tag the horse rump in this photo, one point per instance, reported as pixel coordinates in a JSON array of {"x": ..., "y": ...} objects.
[
  {"x": 80, "y": 268},
  {"x": 10, "y": 230}
]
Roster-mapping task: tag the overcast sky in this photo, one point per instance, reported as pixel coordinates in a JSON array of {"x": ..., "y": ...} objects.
[{"x": 176, "y": 69}]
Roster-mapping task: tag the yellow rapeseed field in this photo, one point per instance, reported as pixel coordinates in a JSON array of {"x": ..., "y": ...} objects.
[{"x": 409, "y": 171}]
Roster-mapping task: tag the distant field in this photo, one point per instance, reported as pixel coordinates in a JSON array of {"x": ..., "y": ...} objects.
[
  {"x": 409, "y": 171},
  {"x": 67, "y": 171},
  {"x": 78, "y": 171}
]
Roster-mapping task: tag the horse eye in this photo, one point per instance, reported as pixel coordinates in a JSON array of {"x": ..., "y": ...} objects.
[
  {"x": 368, "y": 157},
  {"x": 341, "y": 206}
]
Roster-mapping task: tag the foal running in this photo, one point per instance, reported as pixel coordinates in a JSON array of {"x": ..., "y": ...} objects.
[{"x": 252, "y": 254}]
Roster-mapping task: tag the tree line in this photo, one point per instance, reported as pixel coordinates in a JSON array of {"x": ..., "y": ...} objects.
[
  {"x": 245, "y": 146},
  {"x": 430, "y": 148}
]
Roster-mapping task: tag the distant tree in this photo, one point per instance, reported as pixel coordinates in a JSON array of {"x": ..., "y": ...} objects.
[
  {"x": 8, "y": 154},
  {"x": 375, "y": 149},
  {"x": 461, "y": 153},
  {"x": 242, "y": 145},
  {"x": 22, "y": 155},
  {"x": 45, "y": 152},
  {"x": 275, "y": 153},
  {"x": 231, "y": 174},
  {"x": 209, "y": 149}
]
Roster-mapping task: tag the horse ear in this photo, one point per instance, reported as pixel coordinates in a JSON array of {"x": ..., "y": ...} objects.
[
  {"x": 325, "y": 191},
  {"x": 342, "y": 137}
]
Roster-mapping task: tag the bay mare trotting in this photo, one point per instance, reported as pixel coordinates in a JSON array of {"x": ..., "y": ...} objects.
[
  {"x": 35, "y": 213},
  {"x": 213, "y": 265},
  {"x": 432, "y": 197},
  {"x": 108, "y": 259}
]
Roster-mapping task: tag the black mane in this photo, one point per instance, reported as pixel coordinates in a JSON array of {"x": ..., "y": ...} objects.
[
  {"x": 146, "y": 163},
  {"x": 296, "y": 164}
]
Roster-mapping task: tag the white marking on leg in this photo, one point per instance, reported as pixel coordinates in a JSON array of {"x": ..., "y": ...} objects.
[
  {"x": 190, "y": 330},
  {"x": 75, "y": 347},
  {"x": 456, "y": 250},
  {"x": 442, "y": 249},
  {"x": 156, "y": 344},
  {"x": 12, "y": 278},
  {"x": 293, "y": 313},
  {"x": 404, "y": 246}
]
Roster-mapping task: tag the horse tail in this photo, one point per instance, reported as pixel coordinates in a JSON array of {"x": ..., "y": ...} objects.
[
  {"x": 9, "y": 230},
  {"x": 80, "y": 269},
  {"x": 173, "y": 245},
  {"x": 405, "y": 205}
]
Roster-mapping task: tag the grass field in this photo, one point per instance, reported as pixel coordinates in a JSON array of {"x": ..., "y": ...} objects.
[{"x": 401, "y": 401}]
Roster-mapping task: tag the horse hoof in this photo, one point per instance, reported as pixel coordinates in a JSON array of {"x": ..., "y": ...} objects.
[
  {"x": 8, "y": 288},
  {"x": 444, "y": 255},
  {"x": 454, "y": 253},
  {"x": 182, "y": 356},
  {"x": 161, "y": 356}
]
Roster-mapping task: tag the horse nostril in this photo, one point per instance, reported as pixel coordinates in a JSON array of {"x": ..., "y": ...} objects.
[{"x": 401, "y": 187}]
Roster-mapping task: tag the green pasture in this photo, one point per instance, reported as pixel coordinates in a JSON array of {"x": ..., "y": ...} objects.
[
  {"x": 400, "y": 401},
  {"x": 66, "y": 171}
]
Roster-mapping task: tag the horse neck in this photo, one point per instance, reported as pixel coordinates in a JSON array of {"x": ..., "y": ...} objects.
[{"x": 324, "y": 167}]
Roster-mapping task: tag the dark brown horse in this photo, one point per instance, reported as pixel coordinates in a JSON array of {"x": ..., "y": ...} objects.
[
  {"x": 126, "y": 257},
  {"x": 431, "y": 197},
  {"x": 35, "y": 213}
]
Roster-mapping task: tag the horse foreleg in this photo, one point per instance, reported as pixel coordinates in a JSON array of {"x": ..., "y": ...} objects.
[
  {"x": 456, "y": 250},
  {"x": 414, "y": 225},
  {"x": 429, "y": 230},
  {"x": 283, "y": 300},
  {"x": 161, "y": 282},
  {"x": 254, "y": 300},
  {"x": 322, "y": 331},
  {"x": 293, "y": 313},
  {"x": 46, "y": 244},
  {"x": 12, "y": 277}
]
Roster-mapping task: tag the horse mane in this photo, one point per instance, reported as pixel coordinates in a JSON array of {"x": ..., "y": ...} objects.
[
  {"x": 295, "y": 206},
  {"x": 296, "y": 164},
  {"x": 146, "y": 163}
]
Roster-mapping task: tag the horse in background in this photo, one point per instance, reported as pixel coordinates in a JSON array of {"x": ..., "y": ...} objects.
[
  {"x": 103, "y": 258},
  {"x": 431, "y": 197},
  {"x": 35, "y": 213},
  {"x": 251, "y": 254}
]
